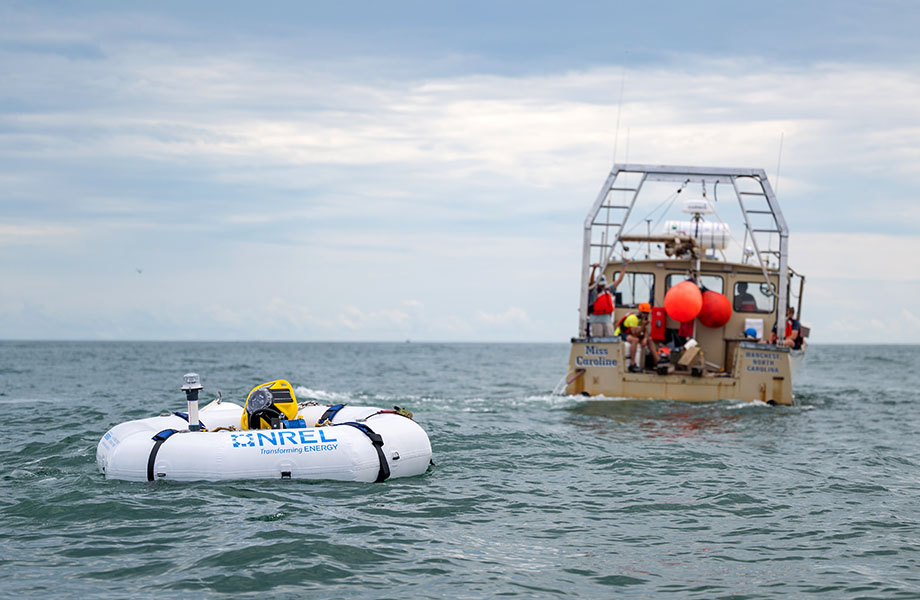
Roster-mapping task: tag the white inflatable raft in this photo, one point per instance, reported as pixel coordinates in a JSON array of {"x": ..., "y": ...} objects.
[{"x": 355, "y": 443}]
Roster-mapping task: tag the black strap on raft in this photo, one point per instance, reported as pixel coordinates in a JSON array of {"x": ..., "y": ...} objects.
[
  {"x": 377, "y": 441},
  {"x": 158, "y": 440},
  {"x": 184, "y": 416},
  {"x": 330, "y": 414}
]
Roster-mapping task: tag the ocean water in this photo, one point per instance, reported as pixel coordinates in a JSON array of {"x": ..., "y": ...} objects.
[{"x": 532, "y": 495}]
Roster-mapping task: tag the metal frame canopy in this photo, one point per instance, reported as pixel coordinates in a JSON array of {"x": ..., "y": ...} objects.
[{"x": 610, "y": 213}]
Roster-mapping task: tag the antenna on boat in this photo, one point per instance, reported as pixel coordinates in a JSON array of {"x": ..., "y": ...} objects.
[
  {"x": 778, "y": 161},
  {"x": 616, "y": 135},
  {"x": 648, "y": 227},
  {"x": 626, "y": 158}
]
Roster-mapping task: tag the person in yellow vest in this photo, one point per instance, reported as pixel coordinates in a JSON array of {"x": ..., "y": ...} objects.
[{"x": 633, "y": 329}]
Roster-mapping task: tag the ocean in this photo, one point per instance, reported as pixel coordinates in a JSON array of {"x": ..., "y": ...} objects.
[{"x": 531, "y": 495}]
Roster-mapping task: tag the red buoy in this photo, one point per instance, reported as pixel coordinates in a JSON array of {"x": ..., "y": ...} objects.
[
  {"x": 716, "y": 309},
  {"x": 683, "y": 301}
]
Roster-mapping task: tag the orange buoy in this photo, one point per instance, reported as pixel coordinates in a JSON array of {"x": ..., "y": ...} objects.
[
  {"x": 683, "y": 301},
  {"x": 716, "y": 310}
]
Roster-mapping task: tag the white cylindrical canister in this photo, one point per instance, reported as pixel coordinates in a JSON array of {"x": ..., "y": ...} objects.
[{"x": 707, "y": 235}]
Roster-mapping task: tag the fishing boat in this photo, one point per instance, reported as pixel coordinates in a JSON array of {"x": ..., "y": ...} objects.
[
  {"x": 708, "y": 304},
  {"x": 271, "y": 436}
]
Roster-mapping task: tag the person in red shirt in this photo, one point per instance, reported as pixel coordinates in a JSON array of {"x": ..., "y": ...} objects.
[
  {"x": 601, "y": 304},
  {"x": 602, "y": 311}
]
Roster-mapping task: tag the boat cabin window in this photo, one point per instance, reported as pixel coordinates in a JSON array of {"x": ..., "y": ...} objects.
[
  {"x": 636, "y": 288},
  {"x": 750, "y": 296},
  {"x": 710, "y": 282}
]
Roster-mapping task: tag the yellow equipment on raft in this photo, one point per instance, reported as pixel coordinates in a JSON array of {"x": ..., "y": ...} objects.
[{"x": 267, "y": 404}]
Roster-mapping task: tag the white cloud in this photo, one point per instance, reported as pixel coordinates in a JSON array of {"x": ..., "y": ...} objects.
[
  {"x": 33, "y": 233},
  {"x": 224, "y": 316},
  {"x": 454, "y": 327},
  {"x": 453, "y": 191},
  {"x": 540, "y": 130},
  {"x": 275, "y": 318},
  {"x": 899, "y": 326},
  {"x": 356, "y": 319},
  {"x": 911, "y": 320},
  {"x": 512, "y": 316},
  {"x": 863, "y": 257}
]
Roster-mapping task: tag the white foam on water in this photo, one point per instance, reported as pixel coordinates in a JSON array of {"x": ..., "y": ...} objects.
[
  {"x": 324, "y": 396},
  {"x": 759, "y": 404},
  {"x": 580, "y": 398},
  {"x": 553, "y": 400},
  {"x": 756, "y": 403},
  {"x": 321, "y": 395},
  {"x": 21, "y": 474},
  {"x": 402, "y": 398}
]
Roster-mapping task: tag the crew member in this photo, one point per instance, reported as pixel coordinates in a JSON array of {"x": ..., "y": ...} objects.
[
  {"x": 793, "y": 335},
  {"x": 633, "y": 329},
  {"x": 744, "y": 301},
  {"x": 601, "y": 318},
  {"x": 593, "y": 292}
]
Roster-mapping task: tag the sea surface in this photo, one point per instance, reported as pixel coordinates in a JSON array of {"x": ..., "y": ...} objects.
[{"x": 532, "y": 495}]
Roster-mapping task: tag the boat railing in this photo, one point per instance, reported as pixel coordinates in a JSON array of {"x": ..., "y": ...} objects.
[{"x": 605, "y": 224}]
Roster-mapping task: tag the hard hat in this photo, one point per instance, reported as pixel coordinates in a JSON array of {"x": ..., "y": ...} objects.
[{"x": 645, "y": 307}]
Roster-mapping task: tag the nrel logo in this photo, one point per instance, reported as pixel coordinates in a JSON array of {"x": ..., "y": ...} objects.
[
  {"x": 110, "y": 441},
  {"x": 299, "y": 441},
  {"x": 242, "y": 439}
]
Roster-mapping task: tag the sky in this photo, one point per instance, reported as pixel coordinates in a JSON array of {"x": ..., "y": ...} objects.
[{"x": 370, "y": 171}]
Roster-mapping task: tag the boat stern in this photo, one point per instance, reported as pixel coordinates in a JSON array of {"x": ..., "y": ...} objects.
[{"x": 596, "y": 366}]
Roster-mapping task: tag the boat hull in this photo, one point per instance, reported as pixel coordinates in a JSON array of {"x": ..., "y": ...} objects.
[{"x": 756, "y": 372}]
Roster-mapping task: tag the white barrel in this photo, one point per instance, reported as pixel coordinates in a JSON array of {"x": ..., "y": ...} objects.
[
  {"x": 339, "y": 452},
  {"x": 715, "y": 236}
]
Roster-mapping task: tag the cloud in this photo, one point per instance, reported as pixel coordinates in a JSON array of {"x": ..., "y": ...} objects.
[
  {"x": 911, "y": 320},
  {"x": 275, "y": 318},
  {"x": 236, "y": 115},
  {"x": 539, "y": 130},
  {"x": 861, "y": 257},
  {"x": 228, "y": 164},
  {"x": 512, "y": 316},
  {"x": 356, "y": 319},
  {"x": 898, "y": 327},
  {"x": 35, "y": 233}
]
